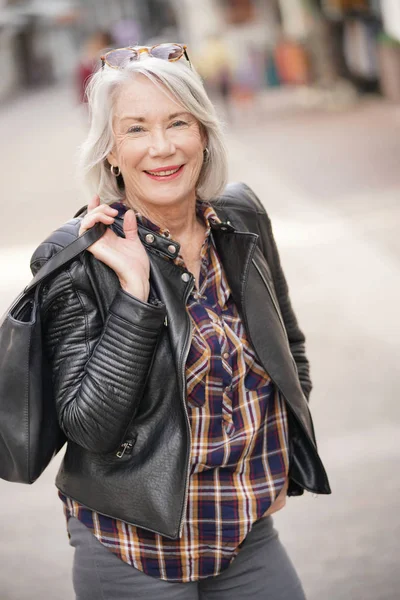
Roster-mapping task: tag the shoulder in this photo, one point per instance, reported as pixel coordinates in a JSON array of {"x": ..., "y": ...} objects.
[
  {"x": 240, "y": 205},
  {"x": 56, "y": 241},
  {"x": 238, "y": 196}
]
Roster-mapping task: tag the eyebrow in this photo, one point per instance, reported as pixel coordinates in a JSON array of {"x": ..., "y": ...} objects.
[{"x": 143, "y": 120}]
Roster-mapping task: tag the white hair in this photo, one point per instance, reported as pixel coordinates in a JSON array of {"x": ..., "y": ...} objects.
[{"x": 186, "y": 87}]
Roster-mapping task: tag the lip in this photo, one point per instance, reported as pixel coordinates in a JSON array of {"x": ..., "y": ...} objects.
[
  {"x": 167, "y": 168},
  {"x": 166, "y": 177}
]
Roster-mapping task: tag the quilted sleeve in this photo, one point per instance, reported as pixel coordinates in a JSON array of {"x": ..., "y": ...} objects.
[{"x": 99, "y": 369}]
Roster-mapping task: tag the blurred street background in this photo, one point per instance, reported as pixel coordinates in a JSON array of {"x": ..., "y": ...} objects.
[{"x": 309, "y": 92}]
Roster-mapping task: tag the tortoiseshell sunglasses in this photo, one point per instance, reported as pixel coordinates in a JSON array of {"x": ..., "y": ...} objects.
[{"x": 120, "y": 57}]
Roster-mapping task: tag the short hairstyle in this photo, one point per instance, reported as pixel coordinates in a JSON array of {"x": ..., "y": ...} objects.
[{"x": 186, "y": 87}]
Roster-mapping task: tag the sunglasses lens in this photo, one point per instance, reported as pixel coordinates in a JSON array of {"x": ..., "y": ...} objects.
[
  {"x": 167, "y": 51},
  {"x": 121, "y": 58}
]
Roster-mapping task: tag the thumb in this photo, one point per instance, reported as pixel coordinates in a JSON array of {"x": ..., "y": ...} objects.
[
  {"x": 130, "y": 225},
  {"x": 93, "y": 203}
]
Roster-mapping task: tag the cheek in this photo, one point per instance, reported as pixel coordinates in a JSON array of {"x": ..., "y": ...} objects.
[
  {"x": 130, "y": 153},
  {"x": 194, "y": 148}
]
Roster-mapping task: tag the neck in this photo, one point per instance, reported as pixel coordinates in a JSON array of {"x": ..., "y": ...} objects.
[{"x": 180, "y": 219}]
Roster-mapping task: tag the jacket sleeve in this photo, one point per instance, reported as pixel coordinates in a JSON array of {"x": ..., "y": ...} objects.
[
  {"x": 99, "y": 369},
  {"x": 295, "y": 335}
]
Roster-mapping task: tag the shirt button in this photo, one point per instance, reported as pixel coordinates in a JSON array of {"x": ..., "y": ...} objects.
[
  {"x": 185, "y": 277},
  {"x": 225, "y": 355}
]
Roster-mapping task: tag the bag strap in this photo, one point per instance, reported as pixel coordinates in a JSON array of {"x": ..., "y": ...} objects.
[{"x": 67, "y": 254}]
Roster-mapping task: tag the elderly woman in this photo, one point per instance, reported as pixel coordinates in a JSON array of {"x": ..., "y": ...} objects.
[{"x": 179, "y": 369}]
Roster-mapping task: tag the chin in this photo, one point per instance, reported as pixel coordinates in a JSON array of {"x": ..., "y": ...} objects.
[{"x": 170, "y": 196}]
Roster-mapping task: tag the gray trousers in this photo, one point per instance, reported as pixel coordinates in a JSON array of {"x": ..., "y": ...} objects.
[{"x": 261, "y": 570}]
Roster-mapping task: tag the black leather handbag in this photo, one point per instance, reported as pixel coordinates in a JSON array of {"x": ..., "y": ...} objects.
[{"x": 29, "y": 432}]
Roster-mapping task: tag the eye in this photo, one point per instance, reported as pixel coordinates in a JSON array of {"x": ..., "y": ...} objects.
[
  {"x": 135, "y": 129},
  {"x": 178, "y": 123}
]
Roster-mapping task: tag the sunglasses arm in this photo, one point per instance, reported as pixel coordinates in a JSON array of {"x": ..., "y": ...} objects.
[{"x": 187, "y": 57}]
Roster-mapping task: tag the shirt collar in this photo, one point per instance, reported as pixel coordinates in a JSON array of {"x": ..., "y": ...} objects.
[{"x": 203, "y": 209}]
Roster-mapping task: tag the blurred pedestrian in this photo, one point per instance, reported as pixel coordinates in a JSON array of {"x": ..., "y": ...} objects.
[
  {"x": 179, "y": 369},
  {"x": 97, "y": 43},
  {"x": 126, "y": 32},
  {"x": 216, "y": 67}
]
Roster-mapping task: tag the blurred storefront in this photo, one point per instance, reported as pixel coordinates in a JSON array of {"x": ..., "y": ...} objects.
[
  {"x": 243, "y": 46},
  {"x": 302, "y": 42},
  {"x": 37, "y": 43},
  {"x": 41, "y": 41}
]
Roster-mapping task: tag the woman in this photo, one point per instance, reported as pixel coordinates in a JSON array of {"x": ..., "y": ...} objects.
[{"x": 179, "y": 369}]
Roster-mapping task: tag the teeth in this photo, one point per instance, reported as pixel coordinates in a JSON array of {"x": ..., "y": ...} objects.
[{"x": 163, "y": 173}]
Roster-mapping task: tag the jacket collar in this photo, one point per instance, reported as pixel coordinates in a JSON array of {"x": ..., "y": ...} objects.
[{"x": 155, "y": 239}]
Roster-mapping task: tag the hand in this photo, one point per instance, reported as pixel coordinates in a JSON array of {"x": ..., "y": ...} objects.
[{"x": 126, "y": 256}]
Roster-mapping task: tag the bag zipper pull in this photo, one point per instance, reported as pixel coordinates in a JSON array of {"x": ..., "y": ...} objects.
[{"x": 125, "y": 448}]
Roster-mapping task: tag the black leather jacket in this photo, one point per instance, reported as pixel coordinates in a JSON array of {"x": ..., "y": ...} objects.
[{"x": 119, "y": 367}]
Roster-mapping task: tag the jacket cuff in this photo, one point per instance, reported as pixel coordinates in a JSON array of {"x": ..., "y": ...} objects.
[{"x": 134, "y": 311}]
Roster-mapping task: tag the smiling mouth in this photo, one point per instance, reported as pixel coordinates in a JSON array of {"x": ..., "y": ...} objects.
[{"x": 163, "y": 173}]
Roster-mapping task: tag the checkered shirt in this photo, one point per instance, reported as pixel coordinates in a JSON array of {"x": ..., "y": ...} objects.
[{"x": 239, "y": 452}]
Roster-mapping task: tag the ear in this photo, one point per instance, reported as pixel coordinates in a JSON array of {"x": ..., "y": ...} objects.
[
  {"x": 204, "y": 136},
  {"x": 112, "y": 159}
]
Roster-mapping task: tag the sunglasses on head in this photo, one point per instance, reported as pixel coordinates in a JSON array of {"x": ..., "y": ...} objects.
[{"x": 121, "y": 57}]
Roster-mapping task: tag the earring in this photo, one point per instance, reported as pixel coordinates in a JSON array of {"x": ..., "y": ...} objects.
[
  {"x": 113, "y": 172},
  {"x": 206, "y": 154}
]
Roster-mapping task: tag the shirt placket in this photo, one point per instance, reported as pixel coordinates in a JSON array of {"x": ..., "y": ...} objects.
[{"x": 227, "y": 367}]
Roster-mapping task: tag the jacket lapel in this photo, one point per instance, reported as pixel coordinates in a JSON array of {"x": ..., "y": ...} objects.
[{"x": 248, "y": 273}]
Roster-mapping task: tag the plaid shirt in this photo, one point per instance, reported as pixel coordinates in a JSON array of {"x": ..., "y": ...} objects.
[{"x": 239, "y": 453}]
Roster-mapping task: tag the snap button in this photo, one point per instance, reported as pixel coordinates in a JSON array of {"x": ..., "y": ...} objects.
[
  {"x": 185, "y": 277},
  {"x": 149, "y": 238},
  {"x": 171, "y": 249}
]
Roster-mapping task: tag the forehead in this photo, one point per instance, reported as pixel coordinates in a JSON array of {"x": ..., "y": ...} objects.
[{"x": 143, "y": 98}]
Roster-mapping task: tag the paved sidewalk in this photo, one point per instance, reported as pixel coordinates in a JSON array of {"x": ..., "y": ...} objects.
[{"x": 331, "y": 184}]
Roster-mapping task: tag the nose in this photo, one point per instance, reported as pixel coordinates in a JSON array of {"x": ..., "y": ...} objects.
[{"x": 160, "y": 144}]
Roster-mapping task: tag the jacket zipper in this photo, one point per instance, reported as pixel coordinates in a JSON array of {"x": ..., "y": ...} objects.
[
  {"x": 184, "y": 355},
  {"x": 125, "y": 448}
]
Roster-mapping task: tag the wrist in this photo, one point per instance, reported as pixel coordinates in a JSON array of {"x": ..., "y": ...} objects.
[{"x": 139, "y": 290}]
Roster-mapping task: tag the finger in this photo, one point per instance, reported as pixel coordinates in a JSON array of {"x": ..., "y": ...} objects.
[
  {"x": 90, "y": 220},
  {"x": 130, "y": 225},
  {"x": 104, "y": 208},
  {"x": 93, "y": 203}
]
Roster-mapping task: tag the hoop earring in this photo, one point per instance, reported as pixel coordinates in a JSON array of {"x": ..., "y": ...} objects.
[
  {"x": 206, "y": 154},
  {"x": 113, "y": 172}
]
